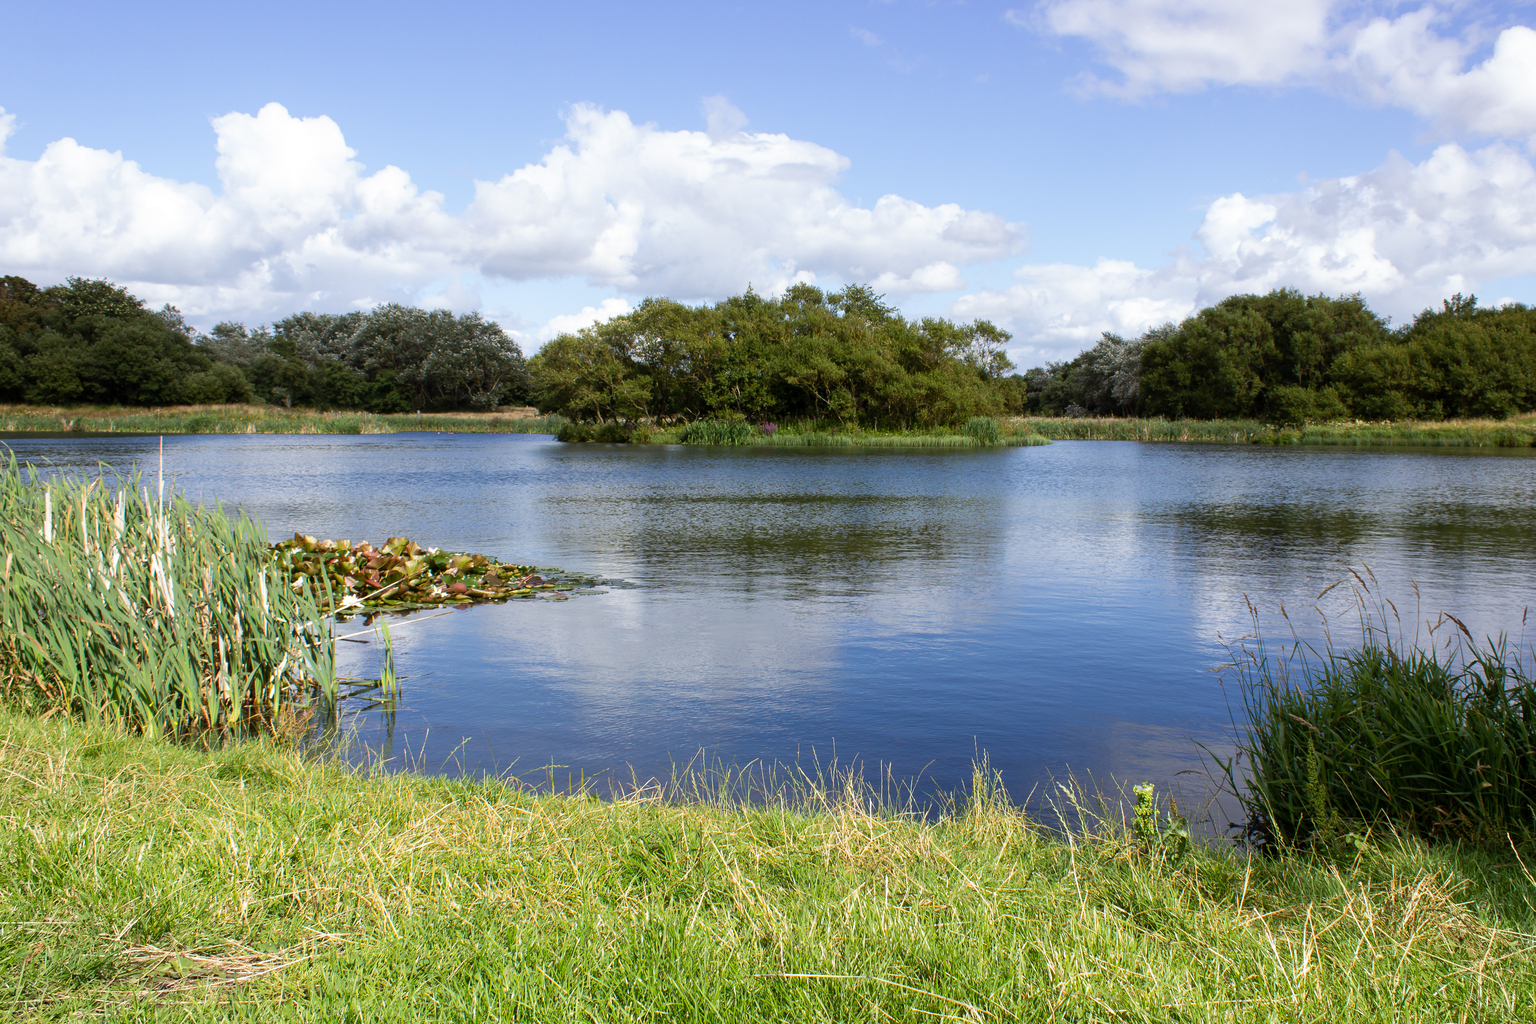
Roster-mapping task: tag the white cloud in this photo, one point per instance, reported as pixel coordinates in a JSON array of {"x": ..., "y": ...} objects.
[
  {"x": 300, "y": 223},
  {"x": 722, "y": 117},
  {"x": 570, "y": 323},
  {"x": 935, "y": 277},
  {"x": 1405, "y": 236},
  {"x": 1421, "y": 60},
  {"x": 866, "y": 37}
]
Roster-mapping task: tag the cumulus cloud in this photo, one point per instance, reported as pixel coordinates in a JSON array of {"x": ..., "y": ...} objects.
[
  {"x": 1423, "y": 60},
  {"x": 570, "y": 323},
  {"x": 1404, "y": 235},
  {"x": 299, "y": 222}
]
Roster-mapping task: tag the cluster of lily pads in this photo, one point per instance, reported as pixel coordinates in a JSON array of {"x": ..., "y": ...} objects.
[{"x": 400, "y": 574}]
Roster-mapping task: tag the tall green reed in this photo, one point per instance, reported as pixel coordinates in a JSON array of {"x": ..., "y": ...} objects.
[
  {"x": 120, "y": 604},
  {"x": 1435, "y": 739}
]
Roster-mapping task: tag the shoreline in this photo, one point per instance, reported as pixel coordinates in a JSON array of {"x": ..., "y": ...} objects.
[{"x": 105, "y": 421}]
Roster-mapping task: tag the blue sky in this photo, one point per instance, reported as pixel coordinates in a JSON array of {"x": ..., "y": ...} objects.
[{"x": 1062, "y": 168}]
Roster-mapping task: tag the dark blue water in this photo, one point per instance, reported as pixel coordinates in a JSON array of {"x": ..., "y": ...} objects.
[{"x": 1060, "y": 608}]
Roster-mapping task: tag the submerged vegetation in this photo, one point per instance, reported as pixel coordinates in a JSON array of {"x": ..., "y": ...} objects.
[{"x": 121, "y": 605}]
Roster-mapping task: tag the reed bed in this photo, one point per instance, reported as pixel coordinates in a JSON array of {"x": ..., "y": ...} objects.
[
  {"x": 119, "y": 604},
  {"x": 1516, "y": 432},
  {"x": 146, "y": 881},
  {"x": 978, "y": 432},
  {"x": 1434, "y": 739},
  {"x": 261, "y": 419}
]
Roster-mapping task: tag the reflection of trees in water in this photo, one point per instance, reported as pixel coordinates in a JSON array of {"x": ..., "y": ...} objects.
[
  {"x": 1460, "y": 527},
  {"x": 813, "y": 543}
]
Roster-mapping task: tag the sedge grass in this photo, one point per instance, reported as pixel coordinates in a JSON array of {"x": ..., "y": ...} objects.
[
  {"x": 261, "y": 419},
  {"x": 1434, "y": 737},
  {"x": 1515, "y": 432},
  {"x": 116, "y": 603},
  {"x": 147, "y": 881}
]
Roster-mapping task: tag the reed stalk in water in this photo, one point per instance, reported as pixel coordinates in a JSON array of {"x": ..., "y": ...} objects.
[{"x": 120, "y": 604}]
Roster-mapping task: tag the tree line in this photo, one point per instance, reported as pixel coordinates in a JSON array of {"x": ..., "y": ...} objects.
[
  {"x": 90, "y": 341},
  {"x": 1289, "y": 358},
  {"x": 842, "y": 357}
]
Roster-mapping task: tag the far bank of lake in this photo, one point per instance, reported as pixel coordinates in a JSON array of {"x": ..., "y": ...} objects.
[{"x": 30, "y": 420}]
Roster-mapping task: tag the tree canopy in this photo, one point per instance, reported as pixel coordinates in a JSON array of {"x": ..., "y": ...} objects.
[
  {"x": 845, "y": 356},
  {"x": 90, "y": 341}
]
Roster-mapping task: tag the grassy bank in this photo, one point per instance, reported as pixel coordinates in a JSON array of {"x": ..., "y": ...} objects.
[
  {"x": 1515, "y": 432},
  {"x": 141, "y": 881},
  {"x": 260, "y": 419},
  {"x": 979, "y": 432}
]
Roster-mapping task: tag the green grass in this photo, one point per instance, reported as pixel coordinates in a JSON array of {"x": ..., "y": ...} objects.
[
  {"x": 979, "y": 432},
  {"x": 1516, "y": 432},
  {"x": 1436, "y": 739},
  {"x": 119, "y": 603},
  {"x": 143, "y": 880},
  {"x": 261, "y": 419}
]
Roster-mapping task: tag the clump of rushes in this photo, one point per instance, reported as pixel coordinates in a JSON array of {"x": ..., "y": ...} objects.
[
  {"x": 983, "y": 430},
  {"x": 402, "y": 574},
  {"x": 167, "y": 617},
  {"x": 1437, "y": 743},
  {"x": 717, "y": 432}
]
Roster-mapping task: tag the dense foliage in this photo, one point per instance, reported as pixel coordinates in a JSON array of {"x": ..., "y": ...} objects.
[
  {"x": 844, "y": 356},
  {"x": 1289, "y": 358},
  {"x": 89, "y": 341}
]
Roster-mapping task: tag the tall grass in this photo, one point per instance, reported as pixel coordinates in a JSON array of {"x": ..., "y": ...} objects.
[
  {"x": 1516, "y": 432},
  {"x": 120, "y": 604},
  {"x": 1435, "y": 740},
  {"x": 978, "y": 432},
  {"x": 262, "y": 419}
]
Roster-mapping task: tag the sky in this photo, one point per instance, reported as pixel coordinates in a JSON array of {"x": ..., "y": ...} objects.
[{"x": 1062, "y": 168}]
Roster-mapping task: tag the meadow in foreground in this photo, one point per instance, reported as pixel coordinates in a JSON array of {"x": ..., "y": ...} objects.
[{"x": 142, "y": 880}]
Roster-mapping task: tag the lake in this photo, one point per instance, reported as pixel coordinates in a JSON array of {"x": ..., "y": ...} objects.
[{"x": 1059, "y": 608}]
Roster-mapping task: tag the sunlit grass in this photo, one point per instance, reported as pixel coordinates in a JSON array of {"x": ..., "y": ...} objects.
[
  {"x": 143, "y": 880},
  {"x": 1515, "y": 432},
  {"x": 262, "y": 419}
]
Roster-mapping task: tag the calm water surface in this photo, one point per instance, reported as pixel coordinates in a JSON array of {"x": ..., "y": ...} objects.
[{"x": 1060, "y": 608}]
